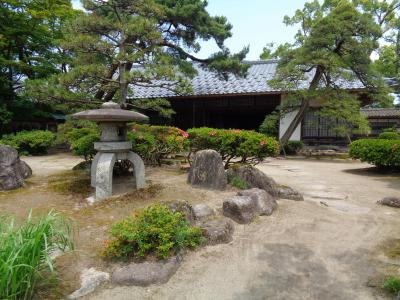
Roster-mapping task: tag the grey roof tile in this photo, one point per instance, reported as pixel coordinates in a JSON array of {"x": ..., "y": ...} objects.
[
  {"x": 209, "y": 83},
  {"x": 381, "y": 112}
]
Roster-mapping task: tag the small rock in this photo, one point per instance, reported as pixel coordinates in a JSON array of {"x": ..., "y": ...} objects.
[
  {"x": 265, "y": 202},
  {"x": 287, "y": 192},
  {"x": 202, "y": 211},
  {"x": 218, "y": 231},
  {"x": 390, "y": 201},
  {"x": 241, "y": 209},
  {"x": 255, "y": 179},
  {"x": 207, "y": 170},
  {"x": 147, "y": 273},
  {"x": 90, "y": 280}
]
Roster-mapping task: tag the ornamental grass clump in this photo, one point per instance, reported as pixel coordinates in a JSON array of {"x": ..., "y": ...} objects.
[
  {"x": 25, "y": 251},
  {"x": 154, "y": 231}
]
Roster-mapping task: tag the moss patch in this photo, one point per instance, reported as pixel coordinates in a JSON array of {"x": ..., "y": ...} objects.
[{"x": 71, "y": 182}]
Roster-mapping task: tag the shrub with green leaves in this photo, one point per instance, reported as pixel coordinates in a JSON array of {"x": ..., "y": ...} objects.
[
  {"x": 154, "y": 143},
  {"x": 392, "y": 284},
  {"x": 64, "y": 130},
  {"x": 389, "y": 136},
  {"x": 293, "y": 147},
  {"x": 382, "y": 153},
  {"x": 155, "y": 230},
  {"x": 84, "y": 145},
  {"x": 25, "y": 251},
  {"x": 234, "y": 145},
  {"x": 30, "y": 142}
]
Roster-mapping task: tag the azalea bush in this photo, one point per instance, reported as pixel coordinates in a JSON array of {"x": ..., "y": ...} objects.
[
  {"x": 154, "y": 231},
  {"x": 234, "y": 145},
  {"x": 30, "y": 142},
  {"x": 293, "y": 147},
  {"x": 154, "y": 143},
  {"x": 389, "y": 136},
  {"x": 379, "y": 152}
]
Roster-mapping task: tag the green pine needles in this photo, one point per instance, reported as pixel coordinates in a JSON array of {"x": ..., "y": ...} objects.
[{"x": 25, "y": 261}]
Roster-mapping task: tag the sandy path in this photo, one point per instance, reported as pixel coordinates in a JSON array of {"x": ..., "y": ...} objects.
[{"x": 306, "y": 250}]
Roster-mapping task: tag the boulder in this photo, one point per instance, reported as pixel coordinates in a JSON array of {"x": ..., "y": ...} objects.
[
  {"x": 218, "y": 231},
  {"x": 241, "y": 209},
  {"x": 147, "y": 273},
  {"x": 390, "y": 201},
  {"x": 202, "y": 211},
  {"x": 265, "y": 202},
  {"x": 255, "y": 179},
  {"x": 287, "y": 192},
  {"x": 181, "y": 206},
  {"x": 13, "y": 171},
  {"x": 90, "y": 280},
  {"x": 207, "y": 170}
]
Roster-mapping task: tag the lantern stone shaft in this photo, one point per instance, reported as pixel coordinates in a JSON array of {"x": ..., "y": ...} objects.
[{"x": 113, "y": 146}]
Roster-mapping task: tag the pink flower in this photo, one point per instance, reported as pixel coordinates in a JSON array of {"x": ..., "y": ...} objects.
[
  {"x": 263, "y": 142},
  {"x": 133, "y": 130}
]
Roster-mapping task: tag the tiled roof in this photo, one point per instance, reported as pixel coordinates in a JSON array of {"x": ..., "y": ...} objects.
[
  {"x": 381, "y": 112},
  {"x": 207, "y": 83}
]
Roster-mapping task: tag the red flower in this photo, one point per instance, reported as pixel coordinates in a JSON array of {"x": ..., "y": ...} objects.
[
  {"x": 212, "y": 133},
  {"x": 106, "y": 243},
  {"x": 133, "y": 130},
  {"x": 263, "y": 142}
]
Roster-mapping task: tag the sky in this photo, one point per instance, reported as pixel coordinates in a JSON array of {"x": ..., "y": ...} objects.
[{"x": 255, "y": 23}]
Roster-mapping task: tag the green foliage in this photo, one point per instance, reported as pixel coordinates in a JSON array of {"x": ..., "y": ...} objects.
[
  {"x": 155, "y": 230},
  {"x": 64, "y": 130},
  {"x": 293, "y": 147},
  {"x": 334, "y": 45},
  {"x": 389, "y": 136},
  {"x": 144, "y": 42},
  {"x": 153, "y": 143},
  {"x": 25, "y": 253},
  {"x": 246, "y": 146},
  {"x": 30, "y": 142},
  {"x": 238, "y": 182},
  {"x": 382, "y": 153},
  {"x": 83, "y": 145},
  {"x": 392, "y": 284},
  {"x": 270, "y": 125}
]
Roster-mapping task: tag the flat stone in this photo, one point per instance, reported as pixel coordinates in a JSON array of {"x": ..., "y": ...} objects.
[
  {"x": 147, "y": 273},
  {"x": 241, "y": 209},
  {"x": 265, "y": 202},
  {"x": 326, "y": 195},
  {"x": 13, "y": 171},
  {"x": 202, "y": 211},
  {"x": 207, "y": 170},
  {"x": 287, "y": 192},
  {"x": 218, "y": 231},
  {"x": 90, "y": 280},
  {"x": 390, "y": 201},
  {"x": 255, "y": 179}
]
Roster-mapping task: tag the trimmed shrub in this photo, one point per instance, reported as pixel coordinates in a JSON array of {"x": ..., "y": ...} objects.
[
  {"x": 382, "y": 153},
  {"x": 64, "y": 130},
  {"x": 155, "y": 230},
  {"x": 293, "y": 147},
  {"x": 84, "y": 145},
  {"x": 30, "y": 142},
  {"x": 25, "y": 254},
  {"x": 154, "y": 143},
  {"x": 234, "y": 145},
  {"x": 270, "y": 125},
  {"x": 392, "y": 285},
  {"x": 389, "y": 136}
]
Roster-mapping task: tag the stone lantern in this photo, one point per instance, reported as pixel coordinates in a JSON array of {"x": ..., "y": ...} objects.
[{"x": 113, "y": 146}]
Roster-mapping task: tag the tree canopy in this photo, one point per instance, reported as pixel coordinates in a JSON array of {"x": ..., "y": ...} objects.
[
  {"x": 120, "y": 44},
  {"x": 334, "y": 43}
]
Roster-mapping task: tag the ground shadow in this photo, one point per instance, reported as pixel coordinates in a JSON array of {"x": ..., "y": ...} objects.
[{"x": 389, "y": 176}]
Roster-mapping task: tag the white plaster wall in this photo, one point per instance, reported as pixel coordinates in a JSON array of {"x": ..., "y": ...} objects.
[{"x": 284, "y": 124}]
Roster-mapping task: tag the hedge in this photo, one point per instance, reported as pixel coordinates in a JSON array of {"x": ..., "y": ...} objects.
[
  {"x": 379, "y": 152},
  {"x": 234, "y": 145},
  {"x": 30, "y": 142},
  {"x": 293, "y": 147},
  {"x": 389, "y": 136},
  {"x": 154, "y": 143}
]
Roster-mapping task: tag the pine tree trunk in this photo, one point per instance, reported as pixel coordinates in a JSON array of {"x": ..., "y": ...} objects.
[
  {"x": 305, "y": 102},
  {"x": 123, "y": 86}
]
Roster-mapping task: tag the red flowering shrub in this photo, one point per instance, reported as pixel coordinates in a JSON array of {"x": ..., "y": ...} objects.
[
  {"x": 380, "y": 152},
  {"x": 153, "y": 143},
  {"x": 234, "y": 145}
]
